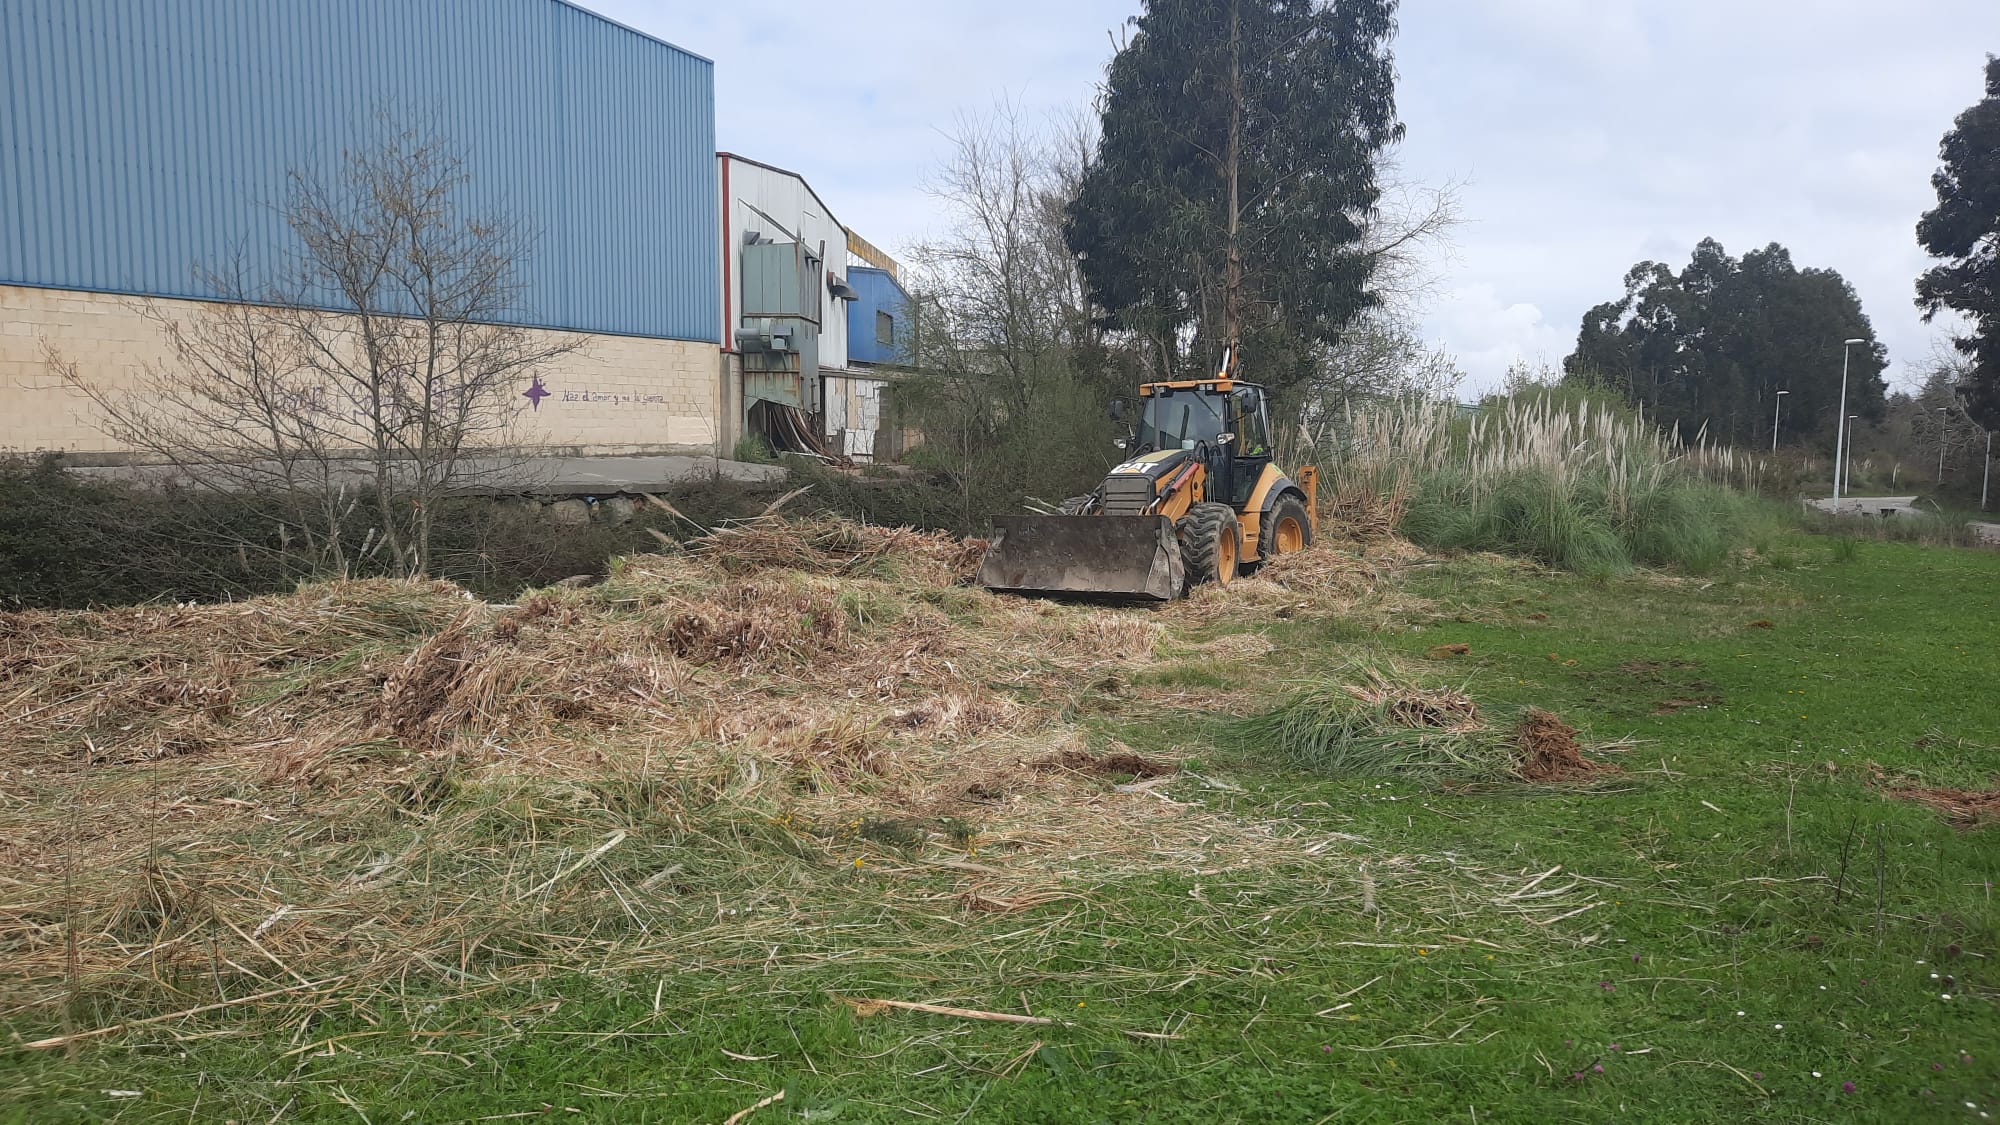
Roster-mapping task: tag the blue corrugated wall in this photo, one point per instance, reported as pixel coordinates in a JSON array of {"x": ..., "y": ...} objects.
[
  {"x": 878, "y": 293},
  {"x": 140, "y": 139}
]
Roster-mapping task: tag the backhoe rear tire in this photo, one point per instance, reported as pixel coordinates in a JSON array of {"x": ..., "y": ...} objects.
[
  {"x": 1285, "y": 530},
  {"x": 1211, "y": 544}
]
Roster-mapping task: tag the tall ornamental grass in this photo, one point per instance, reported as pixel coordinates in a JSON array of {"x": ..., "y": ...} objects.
[{"x": 1572, "y": 480}]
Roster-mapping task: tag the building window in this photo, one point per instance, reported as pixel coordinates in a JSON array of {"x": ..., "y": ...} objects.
[{"x": 885, "y": 330}]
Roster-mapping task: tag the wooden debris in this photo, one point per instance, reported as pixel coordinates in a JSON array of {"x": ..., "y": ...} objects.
[{"x": 869, "y": 1007}]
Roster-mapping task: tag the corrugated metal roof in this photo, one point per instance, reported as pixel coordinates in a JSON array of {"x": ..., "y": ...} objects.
[{"x": 143, "y": 138}]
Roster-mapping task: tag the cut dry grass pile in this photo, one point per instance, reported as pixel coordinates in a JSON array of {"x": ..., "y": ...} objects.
[
  {"x": 839, "y": 547},
  {"x": 1349, "y": 579},
  {"x": 1966, "y": 808},
  {"x": 1365, "y": 514},
  {"x": 1379, "y": 718},
  {"x": 1547, "y": 750},
  {"x": 395, "y": 784}
]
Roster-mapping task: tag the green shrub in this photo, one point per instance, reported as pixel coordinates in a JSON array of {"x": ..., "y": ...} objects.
[
  {"x": 1925, "y": 527},
  {"x": 68, "y": 541},
  {"x": 755, "y": 450},
  {"x": 1556, "y": 474},
  {"x": 1524, "y": 513}
]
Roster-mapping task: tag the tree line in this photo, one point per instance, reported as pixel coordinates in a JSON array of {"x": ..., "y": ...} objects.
[{"x": 1752, "y": 350}]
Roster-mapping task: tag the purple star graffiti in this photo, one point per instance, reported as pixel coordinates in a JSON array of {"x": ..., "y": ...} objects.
[{"x": 536, "y": 393}]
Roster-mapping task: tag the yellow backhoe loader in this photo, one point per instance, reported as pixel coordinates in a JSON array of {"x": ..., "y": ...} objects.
[{"x": 1198, "y": 499}]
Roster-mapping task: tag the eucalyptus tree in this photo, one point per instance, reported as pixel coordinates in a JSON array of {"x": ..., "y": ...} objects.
[{"x": 1231, "y": 189}]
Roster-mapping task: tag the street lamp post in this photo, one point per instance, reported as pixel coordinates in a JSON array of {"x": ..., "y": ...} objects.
[
  {"x": 1986, "y": 474},
  {"x": 1774, "y": 419},
  {"x": 1847, "y": 475},
  {"x": 1840, "y": 421},
  {"x": 1940, "y": 473}
]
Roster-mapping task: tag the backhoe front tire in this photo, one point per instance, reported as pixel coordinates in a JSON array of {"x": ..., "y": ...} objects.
[{"x": 1211, "y": 544}]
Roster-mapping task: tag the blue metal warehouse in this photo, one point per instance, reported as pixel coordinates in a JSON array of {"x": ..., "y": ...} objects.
[{"x": 142, "y": 138}]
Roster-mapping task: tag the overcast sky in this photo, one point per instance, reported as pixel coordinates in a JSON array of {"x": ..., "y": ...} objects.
[{"x": 1590, "y": 134}]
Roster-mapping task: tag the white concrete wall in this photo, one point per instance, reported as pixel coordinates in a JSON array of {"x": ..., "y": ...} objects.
[
  {"x": 786, "y": 197},
  {"x": 619, "y": 394},
  {"x": 853, "y": 407}
]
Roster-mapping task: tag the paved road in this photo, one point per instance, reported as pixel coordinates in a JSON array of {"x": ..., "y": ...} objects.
[
  {"x": 542, "y": 476},
  {"x": 608, "y": 476},
  {"x": 1866, "y": 505}
]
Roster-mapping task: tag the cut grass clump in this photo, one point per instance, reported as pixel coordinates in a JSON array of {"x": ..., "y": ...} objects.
[{"x": 1375, "y": 720}]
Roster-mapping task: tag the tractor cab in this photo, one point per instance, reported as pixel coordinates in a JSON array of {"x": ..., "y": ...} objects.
[{"x": 1224, "y": 423}]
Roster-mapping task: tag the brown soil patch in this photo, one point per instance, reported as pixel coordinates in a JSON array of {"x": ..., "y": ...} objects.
[
  {"x": 1547, "y": 749},
  {"x": 1652, "y": 667},
  {"x": 1966, "y": 808},
  {"x": 991, "y": 790},
  {"x": 1083, "y": 761}
]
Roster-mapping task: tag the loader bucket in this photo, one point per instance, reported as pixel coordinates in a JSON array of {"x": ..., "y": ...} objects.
[{"x": 1122, "y": 556}]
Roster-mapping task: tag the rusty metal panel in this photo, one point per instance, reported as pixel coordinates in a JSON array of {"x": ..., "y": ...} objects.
[{"x": 787, "y": 387}]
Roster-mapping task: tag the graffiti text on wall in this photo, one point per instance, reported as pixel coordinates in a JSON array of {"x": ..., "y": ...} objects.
[{"x": 614, "y": 398}]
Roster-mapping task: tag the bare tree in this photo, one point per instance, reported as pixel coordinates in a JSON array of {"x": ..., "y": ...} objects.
[
  {"x": 1014, "y": 373},
  {"x": 378, "y": 366},
  {"x": 1000, "y": 271},
  {"x": 1382, "y": 351}
]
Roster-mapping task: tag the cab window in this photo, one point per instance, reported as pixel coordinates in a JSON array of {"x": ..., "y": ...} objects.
[
  {"x": 1178, "y": 421},
  {"x": 1253, "y": 432}
]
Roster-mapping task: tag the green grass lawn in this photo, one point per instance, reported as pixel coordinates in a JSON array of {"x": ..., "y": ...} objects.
[{"x": 1739, "y": 926}]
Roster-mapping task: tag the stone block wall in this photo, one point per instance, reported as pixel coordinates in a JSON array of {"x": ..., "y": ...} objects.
[{"x": 618, "y": 395}]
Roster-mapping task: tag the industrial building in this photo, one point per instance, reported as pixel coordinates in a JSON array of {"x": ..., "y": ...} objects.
[
  {"x": 145, "y": 141},
  {"x": 860, "y": 411},
  {"x": 783, "y": 288},
  {"x": 806, "y": 324}
]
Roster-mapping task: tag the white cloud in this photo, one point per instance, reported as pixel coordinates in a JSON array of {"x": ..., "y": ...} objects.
[
  {"x": 1488, "y": 334},
  {"x": 1595, "y": 133}
]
